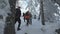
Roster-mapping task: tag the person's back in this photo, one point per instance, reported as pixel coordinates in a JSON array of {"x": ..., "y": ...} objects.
[
  {"x": 18, "y": 13},
  {"x": 27, "y": 15}
]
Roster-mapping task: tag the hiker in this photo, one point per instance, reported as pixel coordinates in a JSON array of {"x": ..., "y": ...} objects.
[
  {"x": 17, "y": 17},
  {"x": 27, "y": 17},
  {"x": 34, "y": 16},
  {"x": 30, "y": 18},
  {"x": 24, "y": 17}
]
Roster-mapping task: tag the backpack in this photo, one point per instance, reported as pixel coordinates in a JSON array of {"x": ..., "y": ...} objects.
[{"x": 27, "y": 16}]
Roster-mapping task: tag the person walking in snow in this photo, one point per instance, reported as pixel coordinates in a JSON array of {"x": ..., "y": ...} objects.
[
  {"x": 17, "y": 17},
  {"x": 30, "y": 18},
  {"x": 27, "y": 17},
  {"x": 23, "y": 16}
]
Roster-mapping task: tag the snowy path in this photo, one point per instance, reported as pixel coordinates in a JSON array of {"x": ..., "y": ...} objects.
[{"x": 37, "y": 28}]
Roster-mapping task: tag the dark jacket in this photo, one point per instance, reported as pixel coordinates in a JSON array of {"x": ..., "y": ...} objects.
[{"x": 18, "y": 13}]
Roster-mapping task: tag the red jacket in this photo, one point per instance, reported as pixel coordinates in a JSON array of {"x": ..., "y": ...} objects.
[{"x": 27, "y": 16}]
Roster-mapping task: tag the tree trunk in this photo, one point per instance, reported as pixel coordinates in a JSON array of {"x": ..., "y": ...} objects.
[
  {"x": 42, "y": 12},
  {"x": 10, "y": 20}
]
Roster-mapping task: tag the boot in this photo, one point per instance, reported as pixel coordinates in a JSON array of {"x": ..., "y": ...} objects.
[{"x": 18, "y": 29}]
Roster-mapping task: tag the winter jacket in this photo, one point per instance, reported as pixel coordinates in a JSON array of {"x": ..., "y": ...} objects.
[
  {"x": 27, "y": 15},
  {"x": 18, "y": 13}
]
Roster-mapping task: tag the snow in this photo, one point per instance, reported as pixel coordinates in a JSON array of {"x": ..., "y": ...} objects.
[
  {"x": 1, "y": 27},
  {"x": 2, "y": 21},
  {"x": 4, "y": 9},
  {"x": 37, "y": 27}
]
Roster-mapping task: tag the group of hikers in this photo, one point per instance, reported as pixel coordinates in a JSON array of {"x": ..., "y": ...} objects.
[{"x": 27, "y": 16}]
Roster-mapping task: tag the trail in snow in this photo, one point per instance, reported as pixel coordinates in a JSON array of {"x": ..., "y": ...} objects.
[{"x": 37, "y": 28}]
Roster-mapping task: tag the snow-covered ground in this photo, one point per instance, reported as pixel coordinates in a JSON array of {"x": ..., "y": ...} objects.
[{"x": 37, "y": 27}]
